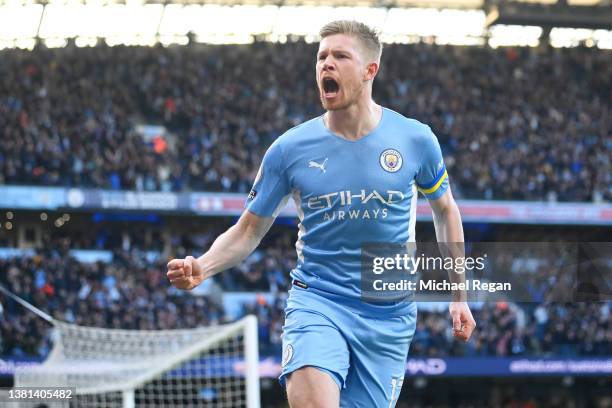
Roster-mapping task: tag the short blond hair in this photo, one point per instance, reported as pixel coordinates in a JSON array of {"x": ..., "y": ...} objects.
[{"x": 366, "y": 35}]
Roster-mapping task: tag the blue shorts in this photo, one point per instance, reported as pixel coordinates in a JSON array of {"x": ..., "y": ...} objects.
[{"x": 365, "y": 355}]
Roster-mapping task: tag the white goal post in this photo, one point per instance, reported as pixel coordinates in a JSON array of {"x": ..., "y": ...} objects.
[{"x": 216, "y": 366}]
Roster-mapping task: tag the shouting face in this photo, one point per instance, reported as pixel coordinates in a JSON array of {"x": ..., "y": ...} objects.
[{"x": 343, "y": 71}]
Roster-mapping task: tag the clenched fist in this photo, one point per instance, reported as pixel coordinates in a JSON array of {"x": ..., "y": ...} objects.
[{"x": 185, "y": 273}]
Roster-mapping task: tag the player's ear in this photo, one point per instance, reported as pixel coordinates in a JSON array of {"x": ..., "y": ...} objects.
[{"x": 371, "y": 70}]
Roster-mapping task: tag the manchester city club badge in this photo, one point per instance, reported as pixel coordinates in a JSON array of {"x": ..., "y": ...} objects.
[{"x": 391, "y": 160}]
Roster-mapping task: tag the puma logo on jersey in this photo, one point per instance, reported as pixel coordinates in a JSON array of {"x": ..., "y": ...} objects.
[{"x": 320, "y": 166}]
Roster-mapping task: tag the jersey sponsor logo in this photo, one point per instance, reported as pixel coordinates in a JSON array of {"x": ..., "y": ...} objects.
[
  {"x": 320, "y": 166},
  {"x": 347, "y": 197},
  {"x": 252, "y": 194},
  {"x": 391, "y": 160},
  {"x": 287, "y": 354}
]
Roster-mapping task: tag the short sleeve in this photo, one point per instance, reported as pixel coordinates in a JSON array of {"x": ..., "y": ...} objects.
[
  {"x": 432, "y": 179},
  {"x": 271, "y": 188}
]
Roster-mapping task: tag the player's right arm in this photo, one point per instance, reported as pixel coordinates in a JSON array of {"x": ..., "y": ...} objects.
[
  {"x": 228, "y": 250},
  {"x": 270, "y": 191}
]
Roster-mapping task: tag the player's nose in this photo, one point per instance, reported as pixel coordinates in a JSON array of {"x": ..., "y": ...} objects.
[{"x": 328, "y": 65}]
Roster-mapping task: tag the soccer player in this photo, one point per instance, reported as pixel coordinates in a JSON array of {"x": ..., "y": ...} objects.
[{"x": 353, "y": 173}]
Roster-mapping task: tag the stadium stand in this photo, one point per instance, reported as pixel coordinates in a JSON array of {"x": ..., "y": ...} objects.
[{"x": 515, "y": 123}]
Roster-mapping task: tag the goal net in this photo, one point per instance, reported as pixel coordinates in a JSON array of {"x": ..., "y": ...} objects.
[{"x": 203, "y": 367}]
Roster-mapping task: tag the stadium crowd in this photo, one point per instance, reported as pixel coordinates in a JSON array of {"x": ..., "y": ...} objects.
[
  {"x": 131, "y": 292},
  {"x": 516, "y": 123}
]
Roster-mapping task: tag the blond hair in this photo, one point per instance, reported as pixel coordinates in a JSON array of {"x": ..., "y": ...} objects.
[{"x": 366, "y": 35}]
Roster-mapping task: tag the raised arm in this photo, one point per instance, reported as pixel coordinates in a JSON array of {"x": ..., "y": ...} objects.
[{"x": 228, "y": 250}]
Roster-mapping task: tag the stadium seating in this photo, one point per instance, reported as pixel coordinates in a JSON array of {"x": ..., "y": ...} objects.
[{"x": 515, "y": 123}]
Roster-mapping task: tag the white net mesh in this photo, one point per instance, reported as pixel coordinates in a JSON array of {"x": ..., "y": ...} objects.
[{"x": 203, "y": 367}]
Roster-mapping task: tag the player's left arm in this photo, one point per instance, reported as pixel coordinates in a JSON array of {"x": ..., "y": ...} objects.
[
  {"x": 449, "y": 232},
  {"x": 432, "y": 181}
]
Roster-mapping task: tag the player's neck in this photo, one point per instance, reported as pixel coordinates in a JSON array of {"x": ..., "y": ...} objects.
[{"x": 354, "y": 122}]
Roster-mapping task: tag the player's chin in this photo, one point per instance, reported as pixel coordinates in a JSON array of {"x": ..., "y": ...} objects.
[{"x": 331, "y": 104}]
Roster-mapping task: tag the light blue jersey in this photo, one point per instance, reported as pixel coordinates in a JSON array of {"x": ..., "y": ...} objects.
[{"x": 348, "y": 193}]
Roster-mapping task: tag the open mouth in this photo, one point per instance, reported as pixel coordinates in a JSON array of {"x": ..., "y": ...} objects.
[{"x": 330, "y": 87}]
